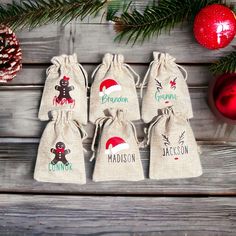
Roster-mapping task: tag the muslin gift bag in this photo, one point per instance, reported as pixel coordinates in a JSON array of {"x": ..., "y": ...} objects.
[
  {"x": 65, "y": 88},
  {"x": 60, "y": 156},
  {"x": 173, "y": 150},
  {"x": 114, "y": 86},
  {"x": 117, "y": 156},
  {"x": 166, "y": 86}
]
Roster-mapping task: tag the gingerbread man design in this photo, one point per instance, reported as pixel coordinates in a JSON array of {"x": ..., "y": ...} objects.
[
  {"x": 60, "y": 153},
  {"x": 64, "y": 92}
]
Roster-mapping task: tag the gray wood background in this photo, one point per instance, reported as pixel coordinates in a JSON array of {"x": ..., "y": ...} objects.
[{"x": 200, "y": 206}]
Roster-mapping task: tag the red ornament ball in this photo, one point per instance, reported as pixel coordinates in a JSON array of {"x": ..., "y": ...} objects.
[
  {"x": 215, "y": 26},
  {"x": 222, "y": 97}
]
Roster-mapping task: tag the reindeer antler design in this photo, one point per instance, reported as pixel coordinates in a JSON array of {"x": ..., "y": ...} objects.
[
  {"x": 166, "y": 140},
  {"x": 159, "y": 86},
  {"x": 181, "y": 138}
]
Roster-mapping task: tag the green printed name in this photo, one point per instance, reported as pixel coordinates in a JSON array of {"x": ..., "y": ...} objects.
[
  {"x": 105, "y": 99},
  {"x": 59, "y": 167},
  {"x": 164, "y": 97}
]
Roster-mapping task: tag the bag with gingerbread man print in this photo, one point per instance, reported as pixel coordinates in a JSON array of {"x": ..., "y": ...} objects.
[
  {"x": 60, "y": 156},
  {"x": 114, "y": 86},
  {"x": 165, "y": 86},
  {"x": 117, "y": 156},
  {"x": 65, "y": 88},
  {"x": 173, "y": 149}
]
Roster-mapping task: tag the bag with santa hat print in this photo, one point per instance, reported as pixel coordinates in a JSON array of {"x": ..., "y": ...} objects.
[
  {"x": 173, "y": 149},
  {"x": 166, "y": 86},
  {"x": 114, "y": 86},
  {"x": 60, "y": 156},
  {"x": 117, "y": 156},
  {"x": 65, "y": 88}
]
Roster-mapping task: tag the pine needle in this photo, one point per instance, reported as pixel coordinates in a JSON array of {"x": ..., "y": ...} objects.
[
  {"x": 164, "y": 15},
  {"x": 225, "y": 64},
  {"x": 32, "y": 13}
]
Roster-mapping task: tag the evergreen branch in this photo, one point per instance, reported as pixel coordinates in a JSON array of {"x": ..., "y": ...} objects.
[
  {"x": 164, "y": 15},
  {"x": 33, "y": 13},
  {"x": 225, "y": 64}
]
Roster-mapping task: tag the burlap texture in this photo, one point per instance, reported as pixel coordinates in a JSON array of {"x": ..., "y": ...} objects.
[
  {"x": 117, "y": 156},
  {"x": 166, "y": 87},
  {"x": 114, "y": 87},
  {"x": 60, "y": 156},
  {"x": 173, "y": 149},
  {"x": 65, "y": 88}
]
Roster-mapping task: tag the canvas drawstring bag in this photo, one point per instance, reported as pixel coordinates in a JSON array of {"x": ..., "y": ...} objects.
[
  {"x": 173, "y": 149},
  {"x": 166, "y": 86},
  {"x": 60, "y": 156},
  {"x": 117, "y": 156},
  {"x": 114, "y": 86},
  {"x": 65, "y": 88}
]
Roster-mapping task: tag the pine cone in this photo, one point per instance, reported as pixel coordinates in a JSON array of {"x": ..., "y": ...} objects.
[{"x": 10, "y": 54}]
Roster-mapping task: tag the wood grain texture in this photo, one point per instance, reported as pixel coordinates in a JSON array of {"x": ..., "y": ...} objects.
[
  {"x": 73, "y": 215},
  {"x": 17, "y": 163},
  {"x": 19, "y": 109},
  {"x": 198, "y": 75},
  {"x": 91, "y": 41}
]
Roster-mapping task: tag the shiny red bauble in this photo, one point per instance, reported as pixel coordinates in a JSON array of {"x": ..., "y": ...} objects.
[
  {"x": 222, "y": 97},
  {"x": 215, "y": 26}
]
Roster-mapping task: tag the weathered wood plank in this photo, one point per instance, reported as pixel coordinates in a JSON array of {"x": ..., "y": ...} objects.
[
  {"x": 19, "y": 109},
  {"x": 22, "y": 214},
  {"x": 219, "y": 177},
  {"x": 198, "y": 75},
  {"x": 91, "y": 41}
]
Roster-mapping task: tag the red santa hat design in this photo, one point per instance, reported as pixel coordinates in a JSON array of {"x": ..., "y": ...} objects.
[
  {"x": 108, "y": 86},
  {"x": 115, "y": 144}
]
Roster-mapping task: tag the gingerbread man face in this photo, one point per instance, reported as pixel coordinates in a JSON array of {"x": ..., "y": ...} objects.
[
  {"x": 64, "y": 83},
  {"x": 60, "y": 145}
]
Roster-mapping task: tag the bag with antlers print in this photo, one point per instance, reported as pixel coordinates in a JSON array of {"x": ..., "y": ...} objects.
[
  {"x": 117, "y": 156},
  {"x": 173, "y": 149},
  {"x": 166, "y": 86},
  {"x": 65, "y": 88},
  {"x": 114, "y": 86},
  {"x": 60, "y": 156}
]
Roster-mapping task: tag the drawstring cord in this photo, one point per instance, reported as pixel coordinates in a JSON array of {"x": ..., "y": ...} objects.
[
  {"x": 96, "y": 69},
  {"x": 85, "y": 75},
  {"x": 130, "y": 70},
  {"x": 144, "y": 83},
  {"x": 98, "y": 123},
  {"x": 185, "y": 71},
  {"x": 165, "y": 111}
]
